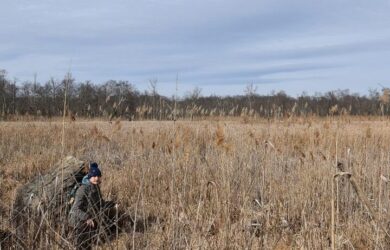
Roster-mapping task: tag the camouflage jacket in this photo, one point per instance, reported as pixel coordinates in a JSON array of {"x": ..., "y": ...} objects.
[{"x": 88, "y": 204}]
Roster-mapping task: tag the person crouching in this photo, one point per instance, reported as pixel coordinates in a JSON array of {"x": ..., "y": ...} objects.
[{"x": 86, "y": 210}]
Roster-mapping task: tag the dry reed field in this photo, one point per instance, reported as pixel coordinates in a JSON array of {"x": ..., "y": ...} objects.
[{"x": 222, "y": 184}]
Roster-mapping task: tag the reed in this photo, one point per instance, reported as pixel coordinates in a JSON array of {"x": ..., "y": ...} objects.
[{"x": 217, "y": 184}]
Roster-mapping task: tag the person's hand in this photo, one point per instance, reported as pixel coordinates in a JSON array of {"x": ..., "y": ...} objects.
[{"x": 90, "y": 223}]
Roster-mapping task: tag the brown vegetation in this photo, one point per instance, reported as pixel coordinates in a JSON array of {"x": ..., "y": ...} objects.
[{"x": 222, "y": 184}]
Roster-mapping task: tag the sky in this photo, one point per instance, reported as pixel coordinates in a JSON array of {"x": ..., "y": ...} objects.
[{"x": 219, "y": 46}]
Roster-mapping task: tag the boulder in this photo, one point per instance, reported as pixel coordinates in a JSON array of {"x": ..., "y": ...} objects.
[{"x": 41, "y": 206}]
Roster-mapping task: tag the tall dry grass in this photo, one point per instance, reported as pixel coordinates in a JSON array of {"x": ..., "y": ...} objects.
[{"x": 222, "y": 184}]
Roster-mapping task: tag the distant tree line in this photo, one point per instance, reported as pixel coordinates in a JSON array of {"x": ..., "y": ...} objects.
[{"x": 120, "y": 99}]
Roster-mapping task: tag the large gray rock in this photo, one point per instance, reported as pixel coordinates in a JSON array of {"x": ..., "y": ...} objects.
[{"x": 41, "y": 206}]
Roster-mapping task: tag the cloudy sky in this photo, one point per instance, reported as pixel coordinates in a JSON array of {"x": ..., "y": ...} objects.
[{"x": 220, "y": 46}]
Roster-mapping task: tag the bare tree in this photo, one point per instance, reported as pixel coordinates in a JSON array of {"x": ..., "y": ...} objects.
[
  {"x": 250, "y": 92},
  {"x": 192, "y": 97},
  {"x": 153, "y": 88},
  {"x": 14, "y": 89},
  {"x": 194, "y": 94},
  {"x": 3, "y": 82}
]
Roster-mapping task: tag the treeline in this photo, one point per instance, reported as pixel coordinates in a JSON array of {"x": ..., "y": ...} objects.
[{"x": 121, "y": 99}]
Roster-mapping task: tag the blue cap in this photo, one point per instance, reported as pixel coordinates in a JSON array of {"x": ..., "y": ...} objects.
[{"x": 94, "y": 170}]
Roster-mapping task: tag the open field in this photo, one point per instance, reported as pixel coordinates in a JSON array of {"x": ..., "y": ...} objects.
[{"x": 222, "y": 184}]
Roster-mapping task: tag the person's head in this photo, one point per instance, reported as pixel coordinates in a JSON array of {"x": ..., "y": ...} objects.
[{"x": 94, "y": 174}]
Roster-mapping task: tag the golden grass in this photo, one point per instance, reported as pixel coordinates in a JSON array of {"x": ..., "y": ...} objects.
[{"x": 222, "y": 184}]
